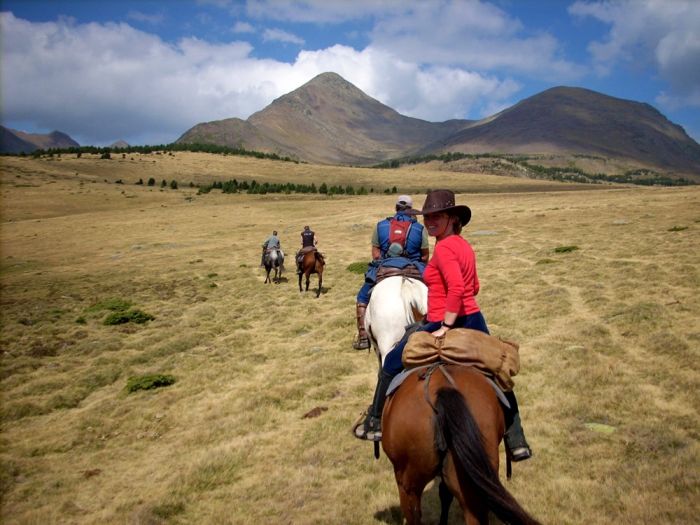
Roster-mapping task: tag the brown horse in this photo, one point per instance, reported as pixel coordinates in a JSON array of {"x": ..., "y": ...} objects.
[
  {"x": 312, "y": 262},
  {"x": 446, "y": 421}
]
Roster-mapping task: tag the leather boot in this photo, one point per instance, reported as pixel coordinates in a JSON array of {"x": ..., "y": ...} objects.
[
  {"x": 362, "y": 340},
  {"x": 371, "y": 428},
  {"x": 514, "y": 438}
]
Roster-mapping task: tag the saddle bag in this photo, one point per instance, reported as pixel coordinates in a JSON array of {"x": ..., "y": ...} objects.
[{"x": 463, "y": 346}]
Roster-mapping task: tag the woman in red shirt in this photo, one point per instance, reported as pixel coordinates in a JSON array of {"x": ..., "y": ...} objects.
[{"x": 452, "y": 287}]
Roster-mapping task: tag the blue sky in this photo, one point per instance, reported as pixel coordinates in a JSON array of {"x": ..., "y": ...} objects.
[{"x": 146, "y": 71}]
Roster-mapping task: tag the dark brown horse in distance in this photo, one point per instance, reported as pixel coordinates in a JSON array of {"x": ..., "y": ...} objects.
[
  {"x": 446, "y": 421},
  {"x": 312, "y": 262}
]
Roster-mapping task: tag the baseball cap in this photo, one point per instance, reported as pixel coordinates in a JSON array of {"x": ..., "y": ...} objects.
[{"x": 405, "y": 200}]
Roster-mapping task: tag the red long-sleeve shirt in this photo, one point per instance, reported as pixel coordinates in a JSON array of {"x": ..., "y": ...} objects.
[{"x": 451, "y": 279}]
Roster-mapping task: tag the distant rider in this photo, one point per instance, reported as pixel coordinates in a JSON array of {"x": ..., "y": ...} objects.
[
  {"x": 308, "y": 243},
  {"x": 271, "y": 243}
]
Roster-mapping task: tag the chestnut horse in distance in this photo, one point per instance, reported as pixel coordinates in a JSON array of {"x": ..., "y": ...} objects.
[{"x": 312, "y": 262}]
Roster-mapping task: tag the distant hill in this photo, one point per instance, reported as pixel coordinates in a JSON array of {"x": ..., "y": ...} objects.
[
  {"x": 329, "y": 120},
  {"x": 119, "y": 144},
  {"x": 13, "y": 141},
  {"x": 580, "y": 121}
]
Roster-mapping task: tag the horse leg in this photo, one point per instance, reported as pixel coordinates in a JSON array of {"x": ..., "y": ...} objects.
[
  {"x": 300, "y": 281},
  {"x": 308, "y": 278},
  {"x": 411, "y": 488},
  {"x": 320, "y": 281}
]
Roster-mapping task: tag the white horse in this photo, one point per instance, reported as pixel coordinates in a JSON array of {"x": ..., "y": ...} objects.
[
  {"x": 274, "y": 258},
  {"x": 395, "y": 302}
]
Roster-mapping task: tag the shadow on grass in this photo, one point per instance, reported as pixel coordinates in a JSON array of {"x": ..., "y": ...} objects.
[{"x": 430, "y": 506}]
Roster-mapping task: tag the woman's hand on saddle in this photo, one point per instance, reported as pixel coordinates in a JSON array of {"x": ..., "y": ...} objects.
[
  {"x": 439, "y": 332},
  {"x": 447, "y": 323}
]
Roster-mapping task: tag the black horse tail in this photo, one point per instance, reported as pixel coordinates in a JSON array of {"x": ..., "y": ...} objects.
[{"x": 457, "y": 427}]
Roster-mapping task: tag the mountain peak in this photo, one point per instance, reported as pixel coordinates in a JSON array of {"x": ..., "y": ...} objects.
[{"x": 330, "y": 120}]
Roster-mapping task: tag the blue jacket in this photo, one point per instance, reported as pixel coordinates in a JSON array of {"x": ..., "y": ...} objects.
[{"x": 412, "y": 249}]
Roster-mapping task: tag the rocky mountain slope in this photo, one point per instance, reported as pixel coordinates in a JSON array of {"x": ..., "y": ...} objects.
[
  {"x": 326, "y": 120},
  {"x": 579, "y": 121}
]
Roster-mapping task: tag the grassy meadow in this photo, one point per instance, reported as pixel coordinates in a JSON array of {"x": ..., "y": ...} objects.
[{"x": 599, "y": 285}]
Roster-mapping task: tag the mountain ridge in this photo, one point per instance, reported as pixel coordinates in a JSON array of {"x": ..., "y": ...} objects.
[
  {"x": 14, "y": 141},
  {"x": 331, "y": 121}
]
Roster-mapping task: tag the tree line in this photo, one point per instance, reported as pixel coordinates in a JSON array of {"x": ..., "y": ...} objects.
[{"x": 643, "y": 177}]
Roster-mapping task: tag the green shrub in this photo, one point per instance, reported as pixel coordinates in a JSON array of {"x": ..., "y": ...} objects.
[
  {"x": 565, "y": 249},
  {"x": 357, "y": 267},
  {"x": 132, "y": 316},
  {"x": 148, "y": 382},
  {"x": 113, "y": 304}
]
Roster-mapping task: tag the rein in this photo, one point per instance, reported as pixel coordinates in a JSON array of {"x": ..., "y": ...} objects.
[{"x": 426, "y": 377}]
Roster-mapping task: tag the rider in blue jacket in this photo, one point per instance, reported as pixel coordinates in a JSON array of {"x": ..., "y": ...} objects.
[{"x": 396, "y": 241}]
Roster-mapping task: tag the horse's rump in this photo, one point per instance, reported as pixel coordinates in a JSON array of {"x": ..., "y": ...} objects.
[
  {"x": 409, "y": 432},
  {"x": 395, "y": 303},
  {"x": 465, "y": 346},
  {"x": 447, "y": 422}
]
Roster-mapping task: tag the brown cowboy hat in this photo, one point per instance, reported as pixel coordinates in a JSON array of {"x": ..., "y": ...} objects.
[{"x": 444, "y": 200}]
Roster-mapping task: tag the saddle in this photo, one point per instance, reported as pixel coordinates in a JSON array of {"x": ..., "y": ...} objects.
[
  {"x": 492, "y": 356},
  {"x": 407, "y": 271}
]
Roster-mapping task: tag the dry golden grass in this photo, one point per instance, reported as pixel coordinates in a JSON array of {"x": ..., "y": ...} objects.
[{"x": 609, "y": 337}]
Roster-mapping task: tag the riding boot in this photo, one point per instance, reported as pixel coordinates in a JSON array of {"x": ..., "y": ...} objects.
[
  {"x": 371, "y": 428},
  {"x": 362, "y": 340},
  {"x": 514, "y": 438}
]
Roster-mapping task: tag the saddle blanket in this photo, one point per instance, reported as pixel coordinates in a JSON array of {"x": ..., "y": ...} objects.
[{"x": 401, "y": 377}]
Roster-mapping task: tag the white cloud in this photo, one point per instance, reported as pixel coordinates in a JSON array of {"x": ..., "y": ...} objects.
[
  {"x": 103, "y": 82},
  {"x": 144, "y": 17},
  {"x": 243, "y": 27},
  {"x": 474, "y": 35},
  {"x": 278, "y": 35},
  {"x": 321, "y": 11},
  {"x": 660, "y": 34},
  {"x": 431, "y": 93}
]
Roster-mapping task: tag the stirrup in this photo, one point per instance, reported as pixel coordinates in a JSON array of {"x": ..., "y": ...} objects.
[
  {"x": 368, "y": 427},
  {"x": 519, "y": 453},
  {"x": 361, "y": 343}
]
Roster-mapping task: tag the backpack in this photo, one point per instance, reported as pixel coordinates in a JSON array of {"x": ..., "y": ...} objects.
[{"x": 398, "y": 232}]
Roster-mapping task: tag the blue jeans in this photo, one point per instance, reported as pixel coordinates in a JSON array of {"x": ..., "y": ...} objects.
[{"x": 393, "y": 364}]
